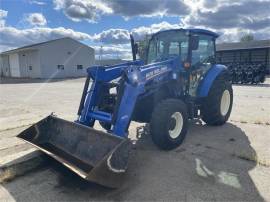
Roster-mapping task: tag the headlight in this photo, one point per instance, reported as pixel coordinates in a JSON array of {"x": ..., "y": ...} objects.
[{"x": 134, "y": 78}]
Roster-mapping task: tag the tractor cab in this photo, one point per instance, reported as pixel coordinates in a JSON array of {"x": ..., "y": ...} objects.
[
  {"x": 193, "y": 48},
  {"x": 193, "y": 45}
]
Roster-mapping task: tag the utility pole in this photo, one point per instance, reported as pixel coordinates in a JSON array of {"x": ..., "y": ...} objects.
[{"x": 100, "y": 52}]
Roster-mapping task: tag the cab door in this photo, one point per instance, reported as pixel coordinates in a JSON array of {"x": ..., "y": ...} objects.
[{"x": 201, "y": 61}]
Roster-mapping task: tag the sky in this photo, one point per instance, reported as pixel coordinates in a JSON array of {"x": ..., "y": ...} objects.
[{"x": 108, "y": 23}]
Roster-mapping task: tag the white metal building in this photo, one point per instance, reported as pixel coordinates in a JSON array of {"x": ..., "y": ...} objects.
[{"x": 58, "y": 58}]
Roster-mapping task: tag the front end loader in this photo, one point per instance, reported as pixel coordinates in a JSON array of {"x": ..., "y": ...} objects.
[{"x": 178, "y": 81}]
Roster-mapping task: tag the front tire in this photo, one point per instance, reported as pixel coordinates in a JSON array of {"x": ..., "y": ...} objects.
[
  {"x": 216, "y": 108},
  {"x": 169, "y": 123}
]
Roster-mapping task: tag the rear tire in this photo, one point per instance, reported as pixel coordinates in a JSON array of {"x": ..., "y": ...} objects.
[
  {"x": 216, "y": 108},
  {"x": 169, "y": 124}
]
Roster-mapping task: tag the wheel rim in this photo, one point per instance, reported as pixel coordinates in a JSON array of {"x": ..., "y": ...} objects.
[
  {"x": 176, "y": 130},
  {"x": 225, "y": 102}
]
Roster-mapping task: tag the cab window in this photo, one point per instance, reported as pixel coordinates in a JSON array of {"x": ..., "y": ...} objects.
[
  {"x": 160, "y": 49},
  {"x": 205, "y": 52},
  {"x": 174, "y": 48}
]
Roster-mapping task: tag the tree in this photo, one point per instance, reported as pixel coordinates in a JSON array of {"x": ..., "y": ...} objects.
[{"x": 247, "y": 37}]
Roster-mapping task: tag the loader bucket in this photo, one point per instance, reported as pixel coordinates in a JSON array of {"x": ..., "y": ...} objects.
[{"x": 94, "y": 155}]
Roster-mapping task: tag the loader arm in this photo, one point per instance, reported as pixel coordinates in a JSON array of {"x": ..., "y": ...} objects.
[
  {"x": 98, "y": 74},
  {"x": 132, "y": 84}
]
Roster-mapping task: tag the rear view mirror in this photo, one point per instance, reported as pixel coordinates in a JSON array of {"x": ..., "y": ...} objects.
[
  {"x": 136, "y": 48},
  {"x": 194, "y": 42}
]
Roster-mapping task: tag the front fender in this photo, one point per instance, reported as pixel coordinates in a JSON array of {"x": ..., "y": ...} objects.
[{"x": 209, "y": 78}]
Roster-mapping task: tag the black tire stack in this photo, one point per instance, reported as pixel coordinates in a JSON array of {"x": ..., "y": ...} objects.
[{"x": 246, "y": 72}]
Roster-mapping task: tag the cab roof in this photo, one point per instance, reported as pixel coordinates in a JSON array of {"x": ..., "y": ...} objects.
[{"x": 197, "y": 31}]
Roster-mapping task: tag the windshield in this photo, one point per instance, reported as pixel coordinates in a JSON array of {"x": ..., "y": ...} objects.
[{"x": 168, "y": 44}]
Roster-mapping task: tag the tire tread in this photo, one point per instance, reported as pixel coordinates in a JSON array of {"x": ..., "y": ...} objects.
[{"x": 158, "y": 125}]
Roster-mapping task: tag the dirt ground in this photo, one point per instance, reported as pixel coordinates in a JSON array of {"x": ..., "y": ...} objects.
[{"x": 227, "y": 163}]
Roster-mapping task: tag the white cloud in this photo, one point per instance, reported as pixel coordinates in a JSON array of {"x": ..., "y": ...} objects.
[
  {"x": 78, "y": 10},
  {"x": 116, "y": 42},
  {"x": 113, "y": 51},
  {"x": 232, "y": 19},
  {"x": 40, "y": 3},
  {"x": 140, "y": 32},
  {"x": 12, "y": 37},
  {"x": 2, "y": 23},
  {"x": 148, "y": 8},
  {"x": 90, "y": 10},
  {"x": 36, "y": 19},
  {"x": 112, "y": 36},
  {"x": 218, "y": 15},
  {"x": 122, "y": 36},
  {"x": 3, "y": 15},
  {"x": 235, "y": 34}
]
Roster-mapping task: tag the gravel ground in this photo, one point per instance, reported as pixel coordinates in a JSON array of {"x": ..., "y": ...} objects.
[{"x": 227, "y": 163}]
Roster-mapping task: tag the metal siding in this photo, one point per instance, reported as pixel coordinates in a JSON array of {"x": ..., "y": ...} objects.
[
  {"x": 252, "y": 55},
  {"x": 258, "y": 56},
  {"x": 227, "y": 57},
  {"x": 244, "y": 56},
  {"x": 45, "y": 57},
  {"x": 237, "y": 56},
  {"x": 256, "y": 44},
  {"x": 23, "y": 64},
  {"x": 29, "y": 58},
  {"x": 34, "y": 61},
  {"x": 261, "y": 55},
  {"x": 5, "y": 66},
  {"x": 14, "y": 65},
  {"x": 67, "y": 52}
]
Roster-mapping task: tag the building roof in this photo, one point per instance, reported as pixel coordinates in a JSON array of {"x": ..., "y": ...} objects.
[
  {"x": 32, "y": 46},
  {"x": 244, "y": 45}
]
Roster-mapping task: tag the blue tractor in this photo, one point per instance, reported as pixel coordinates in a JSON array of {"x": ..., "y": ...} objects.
[{"x": 178, "y": 81}]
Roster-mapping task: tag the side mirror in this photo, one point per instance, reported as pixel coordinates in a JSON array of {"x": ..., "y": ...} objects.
[
  {"x": 194, "y": 42},
  {"x": 136, "y": 48}
]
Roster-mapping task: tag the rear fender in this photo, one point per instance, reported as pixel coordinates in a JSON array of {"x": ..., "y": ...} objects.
[{"x": 209, "y": 78}]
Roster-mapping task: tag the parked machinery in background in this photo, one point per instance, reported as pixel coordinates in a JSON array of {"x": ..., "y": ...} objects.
[{"x": 247, "y": 72}]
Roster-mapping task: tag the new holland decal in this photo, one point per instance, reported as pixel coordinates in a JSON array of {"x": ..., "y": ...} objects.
[{"x": 156, "y": 72}]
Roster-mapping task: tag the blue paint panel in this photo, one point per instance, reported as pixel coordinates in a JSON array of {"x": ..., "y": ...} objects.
[
  {"x": 125, "y": 110},
  {"x": 105, "y": 74},
  {"x": 101, "y": 116},
  {"x": 89, "y": 103},
  {"x": 208, "y": 80}
]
